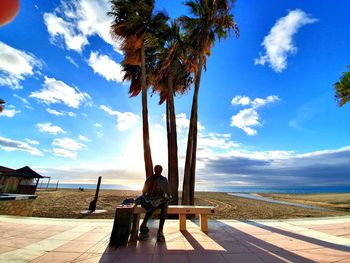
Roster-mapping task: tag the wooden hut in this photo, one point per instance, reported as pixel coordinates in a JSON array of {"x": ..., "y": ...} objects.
[{"x": 20, "y": 181}]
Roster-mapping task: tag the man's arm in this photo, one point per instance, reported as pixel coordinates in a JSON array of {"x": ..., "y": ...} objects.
[
  {"x": 145, "y": 187},
  {"x": 167, "y": 188}
]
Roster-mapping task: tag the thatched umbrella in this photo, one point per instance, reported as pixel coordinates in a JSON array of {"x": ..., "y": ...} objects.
[
  {"x": 27, "y": 172},
  {"x": 23, "y": 174},
  {"x": 4, "y": 169}
]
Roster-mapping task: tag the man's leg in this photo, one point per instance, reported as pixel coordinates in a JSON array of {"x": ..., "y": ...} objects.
[
  {"x": 163, "y": 214},
  {"x": 143, "y": 228}
]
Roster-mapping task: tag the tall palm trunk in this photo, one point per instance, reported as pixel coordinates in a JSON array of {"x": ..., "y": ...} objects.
[
  {"x": 191, "y": 152},
  {"x": 146, "y": 145},
  {"x": 173, "y": 170}
]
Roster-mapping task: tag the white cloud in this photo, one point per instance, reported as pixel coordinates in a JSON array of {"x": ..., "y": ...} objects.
[
  {"x": 246, "y": 119},
  {"x": 278, "y": 168},
  {"x": 58, "y": 28},
  {"x": 75, "y": 21},
  {"x": 256, "y": 103},
  {"x": 64, "y": 153},
  {"x": 69, "y": 144},
  {"x": 125, "y": 120},
  {"x": 67, "y": 147},
  {"x": 83, "y": 138},
  {"x": 106, "y": 67},
  {"x": 278, "y": 43},
  {"x": 216, "y": 140},
  {"x": 84, "y": 172},
  {"x": 56, "y": 91},
  {"x": 98, "y": 125},
  {"x": 72, "y": 61},
  {"x": 54, "y": 112},
  {"x": 49, "y": 128},
  {"x": 34, "y": 142},
  {"x": 9, "y": 113},
  {"x": 14, "y": 145},
  {"x": 60, "y": 113},
  {"x": 15, "y": 65},
  {"x": 240, "y": 100},
  {"x": 24, "y": 101},
  {"x": 182, "y": 123}
]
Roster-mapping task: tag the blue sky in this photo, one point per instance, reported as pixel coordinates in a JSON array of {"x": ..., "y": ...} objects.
[{"x": 267, "y": 114}]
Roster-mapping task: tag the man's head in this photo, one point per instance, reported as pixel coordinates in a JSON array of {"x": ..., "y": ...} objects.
[{"x": 158, "y": 169}]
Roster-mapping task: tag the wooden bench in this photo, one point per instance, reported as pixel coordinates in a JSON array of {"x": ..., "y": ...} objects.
[{"x": 182, "y": 211}]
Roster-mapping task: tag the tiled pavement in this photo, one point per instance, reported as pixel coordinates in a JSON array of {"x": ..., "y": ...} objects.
[{"x": 25, "y": 239}]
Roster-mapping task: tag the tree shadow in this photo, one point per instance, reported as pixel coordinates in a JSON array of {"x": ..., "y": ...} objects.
[
  {"x": 223, "y": 240},
  {"x": 233, "y": 241},
  {"x": 308, "y": 239}
]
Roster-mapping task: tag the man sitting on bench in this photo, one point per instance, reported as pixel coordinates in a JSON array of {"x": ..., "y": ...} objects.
[{"x": 155, "y": 195}]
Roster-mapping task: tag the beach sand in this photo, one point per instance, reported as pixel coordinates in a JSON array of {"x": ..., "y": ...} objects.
[{"x": 68, "y": 203}]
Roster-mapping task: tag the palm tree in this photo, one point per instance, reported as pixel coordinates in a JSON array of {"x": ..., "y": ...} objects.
[
  {"x": 172, "y": 77},
  {"x": 342, "y": 88},
  {"x": 212, "y": 19},
  {"x": 2, "y": 102},
  {"x": 133, "y": 26}
]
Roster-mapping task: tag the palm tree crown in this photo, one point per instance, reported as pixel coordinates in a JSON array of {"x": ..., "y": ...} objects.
[
  {"x": 342, "y": 88},
  {"x": 212, "y": 19}
]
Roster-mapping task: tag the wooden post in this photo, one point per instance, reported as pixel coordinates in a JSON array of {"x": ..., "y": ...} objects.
[
  {"x": 182, "y": 222},
  {"x": 203, "y": 222},
  {"x": 48, "y": 182},
  {"x": 57, "y": 184}
]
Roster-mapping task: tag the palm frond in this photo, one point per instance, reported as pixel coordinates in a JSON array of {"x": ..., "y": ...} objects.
[{"x": 342, "y": 88}]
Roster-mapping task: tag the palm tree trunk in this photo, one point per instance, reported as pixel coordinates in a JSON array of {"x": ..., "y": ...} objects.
[
  {"x": 191, "y": 152},
  {"x": 146, "y": 145},
  {"x": 173, "y": 169}
]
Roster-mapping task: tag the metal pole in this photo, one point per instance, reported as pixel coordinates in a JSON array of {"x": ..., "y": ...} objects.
[
  {"x": 92, "y": 205},
  {"x": 57, "y": 184},
  {"x": 47, "y": 186},
  {"x": 98, "y": 187}
]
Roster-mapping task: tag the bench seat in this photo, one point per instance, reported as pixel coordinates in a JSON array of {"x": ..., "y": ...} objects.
[{"x": 182, "y": 211}]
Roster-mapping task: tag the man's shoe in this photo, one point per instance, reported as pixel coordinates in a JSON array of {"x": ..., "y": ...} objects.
[
  {"x": 144, "y": 233},
  {"x": 143, "y": 236},
  {"x": 160, "y": 236},
  {"x": 144, "y": 229}
]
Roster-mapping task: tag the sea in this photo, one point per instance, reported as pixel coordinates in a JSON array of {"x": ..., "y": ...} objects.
[{"x": 227, "y": 189}]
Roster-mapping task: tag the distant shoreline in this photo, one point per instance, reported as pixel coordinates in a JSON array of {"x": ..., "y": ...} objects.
[{"x": 295, "y": 190}]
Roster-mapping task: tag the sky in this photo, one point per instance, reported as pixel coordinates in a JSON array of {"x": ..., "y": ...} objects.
[{"x": 267, "y": 114}]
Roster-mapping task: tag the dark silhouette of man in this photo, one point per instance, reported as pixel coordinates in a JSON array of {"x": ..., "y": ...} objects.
[{"x": 156, "y": 193}]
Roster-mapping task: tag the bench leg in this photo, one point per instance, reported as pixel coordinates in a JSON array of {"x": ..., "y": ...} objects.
[
  {"x": 182, "y": 222},
  {"x": 135, "y": 227},
  {"x": 203, "y": 222}
]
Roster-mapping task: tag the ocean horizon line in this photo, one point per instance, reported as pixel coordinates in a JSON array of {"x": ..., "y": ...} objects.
[{"x": 226, "y": 189}]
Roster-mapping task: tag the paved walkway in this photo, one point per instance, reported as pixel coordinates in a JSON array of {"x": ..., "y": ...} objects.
[{"x": 25, "y": 239}]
